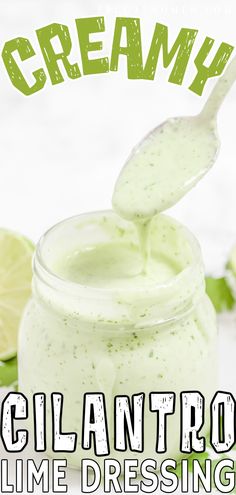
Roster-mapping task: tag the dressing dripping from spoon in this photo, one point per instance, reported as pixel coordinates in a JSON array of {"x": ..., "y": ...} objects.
[{"x": 168, "y": 162}]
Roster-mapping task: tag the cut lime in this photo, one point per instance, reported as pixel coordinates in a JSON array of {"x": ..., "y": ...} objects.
[{"x": 15, "y": 287}]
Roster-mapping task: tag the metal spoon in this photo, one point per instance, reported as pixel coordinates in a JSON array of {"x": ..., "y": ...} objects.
[{"x": 171, "y": 159}]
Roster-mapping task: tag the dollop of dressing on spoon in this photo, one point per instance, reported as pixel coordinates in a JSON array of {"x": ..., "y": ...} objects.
[{"x": 164, "y": 166}]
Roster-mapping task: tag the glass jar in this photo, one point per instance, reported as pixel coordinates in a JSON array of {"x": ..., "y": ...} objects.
[{"x": 76, "y": 339}]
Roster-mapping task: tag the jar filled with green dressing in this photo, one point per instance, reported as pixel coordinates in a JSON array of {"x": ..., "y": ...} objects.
[{"x": 99, "y": 322}]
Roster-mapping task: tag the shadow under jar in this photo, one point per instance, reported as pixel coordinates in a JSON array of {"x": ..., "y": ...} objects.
[{"x": 97, "y": 323}]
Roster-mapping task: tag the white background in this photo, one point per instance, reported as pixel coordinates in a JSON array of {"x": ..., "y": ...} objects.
[{"x": 62, "y": 148}]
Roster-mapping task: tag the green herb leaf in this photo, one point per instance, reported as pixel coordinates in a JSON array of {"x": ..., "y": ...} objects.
[
  {"x": 8, "y": 373},
  {"x": 219, "y": 293}
]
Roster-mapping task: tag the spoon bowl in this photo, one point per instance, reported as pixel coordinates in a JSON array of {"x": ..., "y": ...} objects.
[
  {"x": 164, "y": 166},
  {"x": 171, "y": 159}
]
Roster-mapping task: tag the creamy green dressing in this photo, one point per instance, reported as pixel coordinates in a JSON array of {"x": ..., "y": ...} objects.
[
  {"x": 169, "y": 161},
  {"x": 123, "y": 310},
  {"x": 116, "y": 265},
  {"x": 159, "y": 172},
  {"x": 102, "y": 324}
]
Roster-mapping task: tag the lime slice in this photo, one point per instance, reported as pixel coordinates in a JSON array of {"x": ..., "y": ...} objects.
[{"x": 15, "y": 287}]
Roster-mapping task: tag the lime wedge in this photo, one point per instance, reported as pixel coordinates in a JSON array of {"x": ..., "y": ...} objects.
[{"x": 15, "y": 287}]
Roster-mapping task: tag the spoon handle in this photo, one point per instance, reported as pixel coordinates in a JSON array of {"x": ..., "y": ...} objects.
[{"x": 219, "y": 92}]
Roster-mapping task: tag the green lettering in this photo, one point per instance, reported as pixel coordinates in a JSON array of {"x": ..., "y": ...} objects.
[
  {"x": 85, "y": 27},
  {"x": 25, "y": 50},
  {"x": 51, "y": 58},
  {"x": 133, "y": 50},
  {"x": 215, "y": 68},
  {"x": 182, "y": 47}
]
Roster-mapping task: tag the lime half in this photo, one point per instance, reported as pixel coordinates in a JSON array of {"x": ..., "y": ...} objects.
[{"x": 15, "y": 287}]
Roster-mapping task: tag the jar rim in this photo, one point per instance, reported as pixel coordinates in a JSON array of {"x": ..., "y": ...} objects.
[
  {"x": 192, "y": 274},
  {"x": 38, "y": 257}
]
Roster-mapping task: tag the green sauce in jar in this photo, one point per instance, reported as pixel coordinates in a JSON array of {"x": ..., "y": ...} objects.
[{"x": 97, "y": 322}]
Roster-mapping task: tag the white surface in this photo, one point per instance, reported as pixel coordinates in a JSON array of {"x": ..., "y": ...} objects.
[{"x": 61, "y": 149}]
